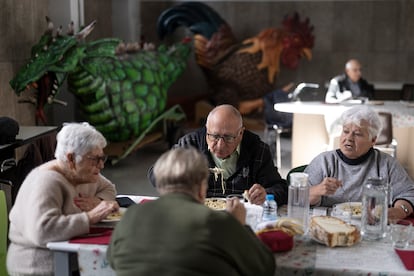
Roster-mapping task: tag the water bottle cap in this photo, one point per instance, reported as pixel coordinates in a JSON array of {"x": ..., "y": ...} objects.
[{"x": 270, "y": 197}]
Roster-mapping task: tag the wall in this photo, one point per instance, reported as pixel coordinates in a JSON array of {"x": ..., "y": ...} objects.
[{"x": 379, "y": 33}]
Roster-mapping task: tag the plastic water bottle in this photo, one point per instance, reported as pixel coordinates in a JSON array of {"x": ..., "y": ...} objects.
[
  {"x": 374, "y": 209},
  {"x": 298, "y": 199},
  {"x": 269, "y": 208}
]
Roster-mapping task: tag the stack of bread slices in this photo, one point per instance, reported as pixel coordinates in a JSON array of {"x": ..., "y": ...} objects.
[{"x": 333, "y": 231}]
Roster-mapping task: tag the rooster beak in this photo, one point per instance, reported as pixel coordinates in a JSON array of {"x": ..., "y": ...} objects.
[{"x": 307, "y": 52}]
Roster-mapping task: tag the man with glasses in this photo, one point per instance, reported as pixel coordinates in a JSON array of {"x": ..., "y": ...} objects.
[
  {"x": 238, "y": 160},
  {"x": 349, "y": 85}
]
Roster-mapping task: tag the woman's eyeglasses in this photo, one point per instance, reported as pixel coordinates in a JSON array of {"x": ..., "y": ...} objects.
[{"x": 97, "y": 159}]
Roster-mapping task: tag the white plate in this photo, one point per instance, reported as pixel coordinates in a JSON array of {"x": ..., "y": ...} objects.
[
  {"x": 115, "y": 218},
  {"x": 355, "y": 207}
]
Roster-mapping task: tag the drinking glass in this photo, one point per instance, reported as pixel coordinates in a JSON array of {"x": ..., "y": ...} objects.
[{"x": 400, "y": 233}]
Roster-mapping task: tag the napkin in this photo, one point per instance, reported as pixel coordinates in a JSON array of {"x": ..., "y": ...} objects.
[
  {"x": 277, "y": 240},
  {"x": 145, "y": 200},
  {"x": 96, "y": 236},
  {"x": 407, "y": 257}
]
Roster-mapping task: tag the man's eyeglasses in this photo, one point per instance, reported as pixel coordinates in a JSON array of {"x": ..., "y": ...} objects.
[
  {"x": 96, "y": 159},
  {"x": 226, "y": 138}
]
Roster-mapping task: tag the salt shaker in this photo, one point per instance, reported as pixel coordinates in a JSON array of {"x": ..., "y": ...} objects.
[
  {"x": 374, "y": 209},
  {"x": 298, "y": 198}
]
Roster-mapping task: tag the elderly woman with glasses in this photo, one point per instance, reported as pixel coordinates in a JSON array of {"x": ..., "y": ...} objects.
[
  {"x": 338, "y": 176},
  {"x": 238, "y": 159},
  {"x": 59, "y": 200}
]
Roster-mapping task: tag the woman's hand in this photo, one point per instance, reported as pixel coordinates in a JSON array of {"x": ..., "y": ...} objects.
[
  {"x": 86, "y": 203},
  {"x": 328, "y": 186},
  {"x": 237, "y": 209},
  {"x": 102, "y": 210}
]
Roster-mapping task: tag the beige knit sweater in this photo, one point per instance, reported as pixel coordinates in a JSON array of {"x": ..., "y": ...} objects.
[{"x": 43, "y": 212}]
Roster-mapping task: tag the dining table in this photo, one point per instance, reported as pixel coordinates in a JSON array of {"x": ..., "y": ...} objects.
[
  {"x": 315, "y": 128},
  {"x": 307, "y": 257}
]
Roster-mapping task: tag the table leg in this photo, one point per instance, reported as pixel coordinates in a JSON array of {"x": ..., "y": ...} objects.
[{"x": 62, "y": 263}]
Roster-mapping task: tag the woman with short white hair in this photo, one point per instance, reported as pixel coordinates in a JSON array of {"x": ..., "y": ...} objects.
[
  {"x": 338, "y": 176},
  {"x": 59, "y": 200}
]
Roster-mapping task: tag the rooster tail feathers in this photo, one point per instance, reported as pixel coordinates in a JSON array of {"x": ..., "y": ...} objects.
[{"x": 198, "y": 17}]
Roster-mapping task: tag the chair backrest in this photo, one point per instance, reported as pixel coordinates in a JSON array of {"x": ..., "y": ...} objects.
[
  {"x": 407, "y": 93},
  {"x": 4, "y": 222},
  {"x": 386, "y": 135}
]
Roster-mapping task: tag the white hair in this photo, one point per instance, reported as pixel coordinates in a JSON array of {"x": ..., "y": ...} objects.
[
  {"x": 357, "y": 114},
  {"x": 78, "y": 139},
  {"x": 180, "y": 169}
]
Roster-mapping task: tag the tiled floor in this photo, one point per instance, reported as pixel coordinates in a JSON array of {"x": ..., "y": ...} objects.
[{"x": 130, "y": 174}]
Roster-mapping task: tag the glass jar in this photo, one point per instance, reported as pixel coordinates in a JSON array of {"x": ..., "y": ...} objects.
[
  {"x": 298, "y": 199},
  {"x": 374, "y": 209}
]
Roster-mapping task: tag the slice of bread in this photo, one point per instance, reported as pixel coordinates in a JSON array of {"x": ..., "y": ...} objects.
[{"x": 333, "y": 231}]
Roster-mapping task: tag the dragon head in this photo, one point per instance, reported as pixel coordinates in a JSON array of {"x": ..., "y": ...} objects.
[{"x": 51, "y": 60}]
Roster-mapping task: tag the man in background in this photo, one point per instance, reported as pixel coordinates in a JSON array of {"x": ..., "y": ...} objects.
[{"x": 349, "y": 85}]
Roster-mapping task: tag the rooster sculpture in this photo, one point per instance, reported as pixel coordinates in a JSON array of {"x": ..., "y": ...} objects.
[
  {"x": 239, "y": 71},
  {"x": 121, "y": 88}
]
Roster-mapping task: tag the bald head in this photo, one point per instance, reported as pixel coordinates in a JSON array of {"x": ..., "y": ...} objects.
[
  {"x": 224, "y": 130},
  {"x": 225, "y": 115},
  {"x": 353, "y": 70}
]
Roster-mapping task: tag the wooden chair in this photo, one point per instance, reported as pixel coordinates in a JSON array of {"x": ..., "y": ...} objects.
[{"x": 385, "y": 140}]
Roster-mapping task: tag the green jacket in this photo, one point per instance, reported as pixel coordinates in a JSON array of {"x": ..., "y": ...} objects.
[{"x": 176, "y": 235}]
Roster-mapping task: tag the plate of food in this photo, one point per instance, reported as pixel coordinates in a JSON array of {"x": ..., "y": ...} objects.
[
  {"x": 115, "y": 216},
  {"x": 354, "y": 207},
  {"x": 215, "y": 203}
]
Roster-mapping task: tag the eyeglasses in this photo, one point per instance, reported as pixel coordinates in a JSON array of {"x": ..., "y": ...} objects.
[
  {"x": 228, "y": 139},
  {"x": 97, "y": 159}
]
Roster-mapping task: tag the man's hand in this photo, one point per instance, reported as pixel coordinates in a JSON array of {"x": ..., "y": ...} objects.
[
  {"x": 257, "y": 194},
  {"x": 237, "y": 209}
]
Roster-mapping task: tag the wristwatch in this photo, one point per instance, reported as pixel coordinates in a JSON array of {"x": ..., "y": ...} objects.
[{"x": 405, "y": 209}]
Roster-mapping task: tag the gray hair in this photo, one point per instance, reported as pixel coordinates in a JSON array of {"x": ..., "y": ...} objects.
[
  {"x": 78, "y": 139},
  {"x": 357, "y": 114},
  {"x": 180, "y": 169}
]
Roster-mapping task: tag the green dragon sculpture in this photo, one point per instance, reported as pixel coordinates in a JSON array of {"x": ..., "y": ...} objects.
[{"x": 121, "y": 90}]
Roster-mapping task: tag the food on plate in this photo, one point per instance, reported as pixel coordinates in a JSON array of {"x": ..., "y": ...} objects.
[
  {"x": 215, "y": 203},
  {"x": 333, "y": 231},
  {"x": 115, "y": 216},
  {"x": 355, "y": 209}
]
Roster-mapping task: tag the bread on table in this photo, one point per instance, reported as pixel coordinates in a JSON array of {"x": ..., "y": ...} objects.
[{"x": 333, "y": 231}]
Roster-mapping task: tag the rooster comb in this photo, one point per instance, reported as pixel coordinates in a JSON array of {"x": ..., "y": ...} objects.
[{"x": 305, "y": 29}]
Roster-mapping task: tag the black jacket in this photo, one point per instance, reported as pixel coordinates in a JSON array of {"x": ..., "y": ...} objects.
[{"x": 255, "y": 165}]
